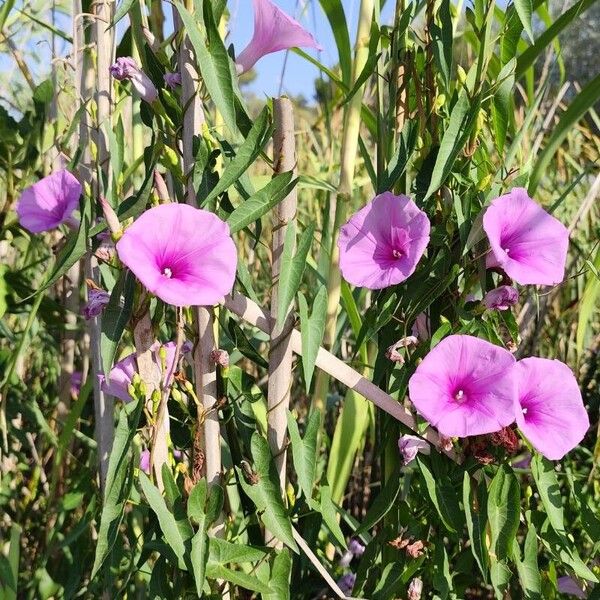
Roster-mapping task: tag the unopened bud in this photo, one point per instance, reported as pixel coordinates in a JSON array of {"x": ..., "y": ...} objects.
[
  {"x": 111, "y": 217},
  {"x": 160, "y": 186}
]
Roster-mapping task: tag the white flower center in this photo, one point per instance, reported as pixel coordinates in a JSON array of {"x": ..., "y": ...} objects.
[
  {"x": 397, "y": 254},
  {"x": 524, "y": 411},
  {"x": 167, "y": 272},
  {"x": 507, "y": 250},
  {"x": 459, "y": 396}
]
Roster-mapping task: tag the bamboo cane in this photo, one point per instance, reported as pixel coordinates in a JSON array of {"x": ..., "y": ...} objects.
[{"x": 280, "y": 352}]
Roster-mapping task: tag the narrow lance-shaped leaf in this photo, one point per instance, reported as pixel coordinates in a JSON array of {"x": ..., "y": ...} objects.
[
  {"x": 262, "y": 202},
  {"x": 166, "y": 519},
  {"x": 525, "y": 10},
  {"x": 547, "y": 484},
  {"x": 264, "y": 492},
  {"x": 213, "y": 62},
  {"x": 304, "y": 450},
  {"x": 503, "y": 511},
  {"x": 312, "y": 329},
  {"x": 292, "y": 267},
  {"x": 528, "y": 570}
]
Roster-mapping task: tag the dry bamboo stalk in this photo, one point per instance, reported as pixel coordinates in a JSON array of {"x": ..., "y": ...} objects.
[
  {"x": 204, "y": 368},
  {"x": 280, "y": 352},
  {"x": 104, "y": 46},
  {"x": 254, "y": 315}
]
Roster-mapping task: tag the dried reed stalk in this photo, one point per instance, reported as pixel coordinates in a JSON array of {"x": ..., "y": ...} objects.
[{"x": 280, "y": 352}]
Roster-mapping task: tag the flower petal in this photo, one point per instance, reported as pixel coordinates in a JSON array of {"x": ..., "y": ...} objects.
[
  {"x": 528, "y": 243},
  {"x": 183, "y": 255},
  {"x": 549, "y": 407},
  {"x": 382, "y": 243},
  {"x": 273, "y": 31},
  {"x": 464, "y": 387}
]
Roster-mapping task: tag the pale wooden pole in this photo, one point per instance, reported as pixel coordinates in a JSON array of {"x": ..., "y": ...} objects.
[
  {"x": 103, "y": 11},
  {"x": 280, "y": 350}
]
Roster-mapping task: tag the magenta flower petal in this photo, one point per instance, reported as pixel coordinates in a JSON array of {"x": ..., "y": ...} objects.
[
  {"x": 465, "y": 386},
  {"x": 549, "y": 407},
  {"x": 119, "y": 379},
  {"x": 568, "y": 585},
  {"x": 273, "y": 31},
  {"x": 173, "y": 80},
  {"x": 382, "y": 243},
  {"x": 49, "y": 202},
  {"x": 528, "y": 243},
  {"x": 145, "y": 461},
  {"x": 97, "y": 301},
  {"x": 183, "y": 255}
]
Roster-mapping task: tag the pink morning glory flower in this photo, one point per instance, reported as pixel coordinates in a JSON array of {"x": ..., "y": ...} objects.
[
  {"x": 97, "y": 301},
  {"x": 145, "y": 461},
  {"x": 527, "y": 243},
  {"x": 119, "y": 379},
  {"x": 50, "y": 202},
  {"x": 501, "y": 298},
  {"x": 173, "y": 80},
  {"x": 382, "y": 243},
  {"x": 126, "y": 69},
  {"x": 76, "y": 381},
  {"x": 410, "y": 446},
  {"x": 465, "y": 386},
  {"x": 273, "y": 31},
  {"x": 549, "y": 407},
  {"x": 183, "y": 255}
]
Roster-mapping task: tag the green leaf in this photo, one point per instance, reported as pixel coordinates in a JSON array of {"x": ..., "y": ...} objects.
[
  {"x": 461, "y": 122},
  {"x": 122, "y": 11},
  {"x": 329, "y": 514},
  {"x": 503, "y": 511},
  {"x": 244, "y": 157},
  {"x": 334, "y": 10},
  {"x": 312, "y": 329},
  {"x": 115, "y": 317},
  {"x": 166, "y": 519},
  {"x": 279, "y": 581},
  {"x": 265, "y": 492},
  {"x": 547, "y": 484},
  {"x": 583, "y": 102},
  {"x": 5, "y": 11},
  {"x": 442, "y": 41},
  {"x": 199, "y": 557},
  {"x": 12, "y": 563},
  {"x": 223, "y": 552},
  {"x": 213, "y": 61},
  {"x": 292, "y": 267},
  {"x": 196, "y": 506},
  {"x": 528, "y": 570},
  {"x": 119, "y": 480},
  {"x": 261, "y": 202},
  {"x": 242, "y": 343},
  {"x": 304, "y": 450},
  {"x": 476, "y": 516},
  {"x": 502, "y": 103},
  {"x": 383, "y": 503},
  {"x": 524, "y": 9},
  {"x": 500, "y": 575},
  {"x": 214, "y": 571},
  {"x": 443, "y": 496}
]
